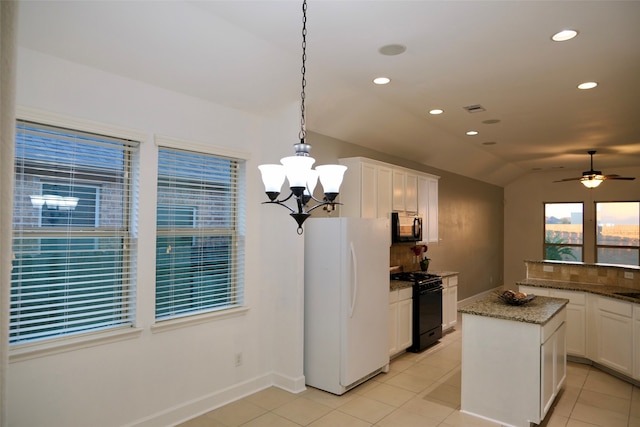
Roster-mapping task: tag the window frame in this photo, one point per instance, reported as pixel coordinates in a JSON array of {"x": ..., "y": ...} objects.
[
  {"x": 598, "y": 246},
  {"x": 24, "y": 349},
  {"x": 185, "y": 319},
  {"x": 546, "y": 244}
]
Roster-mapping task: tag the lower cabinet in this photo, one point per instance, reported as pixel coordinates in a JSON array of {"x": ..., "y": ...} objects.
[
  {"x": 636, "y": 341},
  {"x": 400, "y": 320},
  {"x": 449, "y": 302},
  {"x": 576, "y": 316},
  {"x": 604, "y": 330},
  {"x": 521, "y": 370},
  {"x": 614, "y": 328},
  {"x": 553, "y": 367}
]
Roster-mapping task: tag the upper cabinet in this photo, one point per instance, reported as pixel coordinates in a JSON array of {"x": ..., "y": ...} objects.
[
  {"x": 405, "y": 190},
  {"x": 373, "y": 189},
  {"x": 428, "y": 206},
  {"x": 366, "y": 188}
]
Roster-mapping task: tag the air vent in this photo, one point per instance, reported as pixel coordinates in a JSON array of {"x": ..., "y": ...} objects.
[{"x": 474, "y": 108}]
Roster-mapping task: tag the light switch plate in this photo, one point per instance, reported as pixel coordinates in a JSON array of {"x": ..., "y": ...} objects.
[{"x": 628, "y": 275}]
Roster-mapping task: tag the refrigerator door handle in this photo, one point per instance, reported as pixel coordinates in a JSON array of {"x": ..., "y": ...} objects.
[{"x": 354, "y": 284}]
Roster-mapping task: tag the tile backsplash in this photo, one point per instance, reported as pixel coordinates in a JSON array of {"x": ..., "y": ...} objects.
[
  {"x": 599, "y": 274},
  {"x": 402, "y": 255}
]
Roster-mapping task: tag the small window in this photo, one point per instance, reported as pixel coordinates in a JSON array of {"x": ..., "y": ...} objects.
[
  {"x": 563, "y": 231},
  {"x": 199, "y": 247},
  {"x": 618, "y": 233}
]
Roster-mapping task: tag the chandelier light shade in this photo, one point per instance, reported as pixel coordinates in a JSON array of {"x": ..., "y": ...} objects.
[{"x": 297, "y": 169}]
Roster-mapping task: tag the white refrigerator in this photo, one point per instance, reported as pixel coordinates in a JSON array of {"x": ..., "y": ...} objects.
[{"x": 346, "y": 301}]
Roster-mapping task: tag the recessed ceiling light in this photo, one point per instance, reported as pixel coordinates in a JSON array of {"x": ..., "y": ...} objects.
[
  {"x": 436, "y": 111},
  {"x": 564, "y": 35},
  {"x": 472, "y": 132},
  {"x": 381, "y": 80},
  {"x": 392, "y": 49},
  {"x": 587, "y": 85}
]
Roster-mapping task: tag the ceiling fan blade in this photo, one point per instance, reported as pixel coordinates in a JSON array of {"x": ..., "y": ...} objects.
[
  {"x": 626, "y": 178},
  {"x": 569, "y": 179}
]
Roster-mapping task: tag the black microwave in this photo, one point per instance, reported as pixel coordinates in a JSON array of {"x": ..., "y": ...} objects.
[{"x": 405, "y": 227}]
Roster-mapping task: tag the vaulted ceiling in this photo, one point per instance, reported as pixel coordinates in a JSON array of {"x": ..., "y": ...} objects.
[{"x": 494, "y": 54}]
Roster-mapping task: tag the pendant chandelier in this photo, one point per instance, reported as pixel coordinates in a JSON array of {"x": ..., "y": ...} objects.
[{"x": 297, "y": 169}]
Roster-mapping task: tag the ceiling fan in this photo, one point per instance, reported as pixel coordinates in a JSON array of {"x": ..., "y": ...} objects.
[{"x": 593, "y": 178}]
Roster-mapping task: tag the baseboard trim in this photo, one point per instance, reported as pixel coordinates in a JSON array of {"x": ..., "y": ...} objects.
[
  {"x": 191, "y": 409},
  {"x": 476, "y": 297}
]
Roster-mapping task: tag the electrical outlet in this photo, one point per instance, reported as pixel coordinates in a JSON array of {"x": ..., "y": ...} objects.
[
  {"x": 238, "y": 359},
  {"x": 628, "y": 275},
  {"x": 547, "y": 268}
]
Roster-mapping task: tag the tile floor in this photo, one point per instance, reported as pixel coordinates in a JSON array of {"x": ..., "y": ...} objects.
[{"x": 424, "y": 390}]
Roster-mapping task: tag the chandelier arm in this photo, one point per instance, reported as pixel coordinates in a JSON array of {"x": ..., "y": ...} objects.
[
  {"x": 279, "y": 202},
  {"x": 323, "y": 204}
]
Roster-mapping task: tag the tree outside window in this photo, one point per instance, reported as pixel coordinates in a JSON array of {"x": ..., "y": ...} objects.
[{"x": 563, "y": 231}]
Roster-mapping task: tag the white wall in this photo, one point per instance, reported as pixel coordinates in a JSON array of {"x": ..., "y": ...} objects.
[
  {"x": 159, "y": 378},
  {"x": 524, "y": 214}
]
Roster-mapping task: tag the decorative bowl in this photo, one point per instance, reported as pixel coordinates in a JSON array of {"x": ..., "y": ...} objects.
[{"x": 515, "y": 298}]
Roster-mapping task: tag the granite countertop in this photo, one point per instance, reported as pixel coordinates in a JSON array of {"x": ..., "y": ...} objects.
[
  {"x": 605, "y": 290},
  {"x": 539, "y": 311}
]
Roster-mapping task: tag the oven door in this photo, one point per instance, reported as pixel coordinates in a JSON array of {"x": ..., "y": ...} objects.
[{"x": 427, "y": 318}]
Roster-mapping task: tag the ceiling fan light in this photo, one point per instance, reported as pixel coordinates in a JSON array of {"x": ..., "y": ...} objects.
[{"x": 592, "y": 181}]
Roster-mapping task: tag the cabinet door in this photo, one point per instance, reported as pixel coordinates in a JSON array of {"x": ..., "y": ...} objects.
[
  {"x": 614, "y": 346},
  {"x": 411, "y": 193},
  {"x": 576, "y": 321},
  {"x": 552, "y": 368},
  {"x": 399, "y": 180},
  {"x": 453, "y": 306},
  {"x": 432, "y": 214},
  {"x": 405, "y": 311},
  {"x": 369, "y": 195},
  {"x": 385, "y": 190},
  {"x": 636, "y": 340},
  {"x": 393, "y": 328}
]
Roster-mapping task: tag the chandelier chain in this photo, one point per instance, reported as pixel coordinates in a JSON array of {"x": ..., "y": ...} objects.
[{"x": 303, "y": 132}]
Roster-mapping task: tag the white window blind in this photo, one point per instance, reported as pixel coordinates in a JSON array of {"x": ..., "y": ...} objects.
[
  {"x": 72, "y": 267},
  {"x": 199, "y": 250}
]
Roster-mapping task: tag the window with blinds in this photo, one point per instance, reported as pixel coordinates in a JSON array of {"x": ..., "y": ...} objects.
[
  {"x": 199, "y": 250},
  {"x": 72, "y": 221}
]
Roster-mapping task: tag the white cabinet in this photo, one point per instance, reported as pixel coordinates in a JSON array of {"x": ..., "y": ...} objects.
[
  {"x": 405, "y": 190},
  {"x": 576, "y": 321},
  {"x": 512, "y": 371},
  {"x": 366, "y": 189},
  {"x": 428, "y": 206},
  {"x": 636, "y": 341},
  {"x": 576, "y": 316},
  {"x": 449, "y": 302},
  {"x": 614, "y": 328},
  {"x": 400, "y": 320},
  {"x": 553, "y": 367}
]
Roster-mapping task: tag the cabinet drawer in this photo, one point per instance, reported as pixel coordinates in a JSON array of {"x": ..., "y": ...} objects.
[
  {"x": 405, "y": 293},
  {"x": 552, "y": 325},
  {"x": 613, "y": 306},
  {"x": 578, "y": 298},
  {"x": 393, "y": 296}
]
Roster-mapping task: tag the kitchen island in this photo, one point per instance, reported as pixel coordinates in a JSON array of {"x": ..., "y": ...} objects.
[{"x": 513, "y": 359}]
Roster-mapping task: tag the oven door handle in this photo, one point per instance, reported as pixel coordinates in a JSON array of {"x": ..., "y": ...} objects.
[{"x": 354, "y": 284}]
